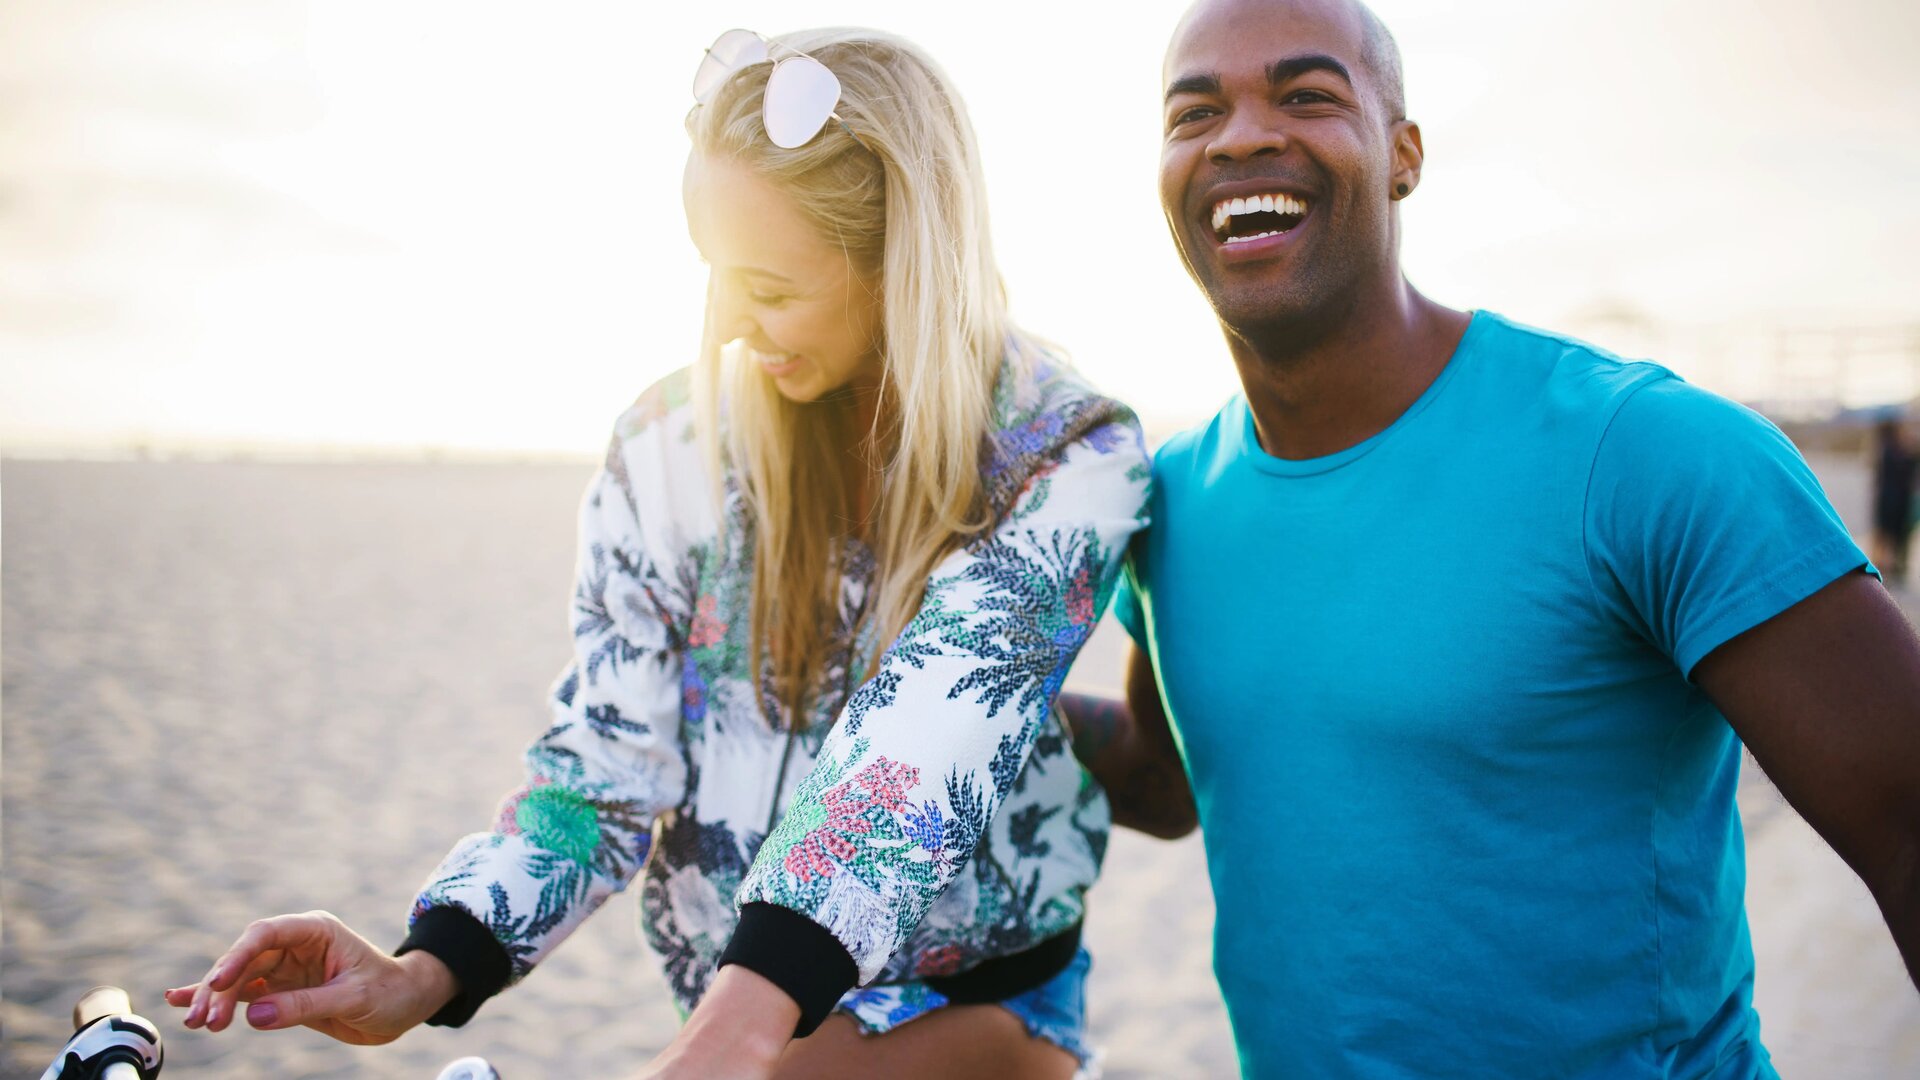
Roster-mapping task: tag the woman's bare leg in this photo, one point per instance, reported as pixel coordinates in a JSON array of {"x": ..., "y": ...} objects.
[{"x": 962, "y": 1042}]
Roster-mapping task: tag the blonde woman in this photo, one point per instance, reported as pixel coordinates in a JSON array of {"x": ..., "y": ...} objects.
[{"x": 830, "y": 581}]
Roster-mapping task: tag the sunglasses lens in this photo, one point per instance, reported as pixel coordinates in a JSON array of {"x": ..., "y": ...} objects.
[
  {"x": 729, "y": 53},
  {"x": 801, "y": 94}
]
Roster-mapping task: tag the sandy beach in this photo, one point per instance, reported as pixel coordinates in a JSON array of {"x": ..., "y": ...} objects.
[{"x": 234, "y": 689}]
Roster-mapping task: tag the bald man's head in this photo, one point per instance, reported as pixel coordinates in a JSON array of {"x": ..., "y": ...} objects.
[
  {"x": 1379, "y": 54},
  {"x": 1285, "y": 152}
]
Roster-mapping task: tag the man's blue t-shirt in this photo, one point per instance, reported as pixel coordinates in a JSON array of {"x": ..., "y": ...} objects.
[{"x": 1464, "y": 812}]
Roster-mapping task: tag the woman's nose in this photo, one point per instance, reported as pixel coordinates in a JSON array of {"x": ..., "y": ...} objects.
[
  {"x": 731, "y": 322},
  {"x": 739, "y": 326}
]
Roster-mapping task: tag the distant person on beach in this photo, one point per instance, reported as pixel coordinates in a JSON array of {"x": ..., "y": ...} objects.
[
  {"x": 1894, "y": 467},
  {"x": 1460, "y": 626},
  {"x": 829, "y": 583}
]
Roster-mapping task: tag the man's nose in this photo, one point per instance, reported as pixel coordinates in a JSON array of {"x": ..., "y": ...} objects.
[{"x": 1245, "y": 133}]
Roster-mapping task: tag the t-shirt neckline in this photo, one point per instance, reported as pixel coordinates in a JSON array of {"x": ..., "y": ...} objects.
[{"x": 1302, "y": 467}]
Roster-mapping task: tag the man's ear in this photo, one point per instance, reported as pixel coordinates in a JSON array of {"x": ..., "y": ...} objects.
[{"x": 1408, "y": 156}]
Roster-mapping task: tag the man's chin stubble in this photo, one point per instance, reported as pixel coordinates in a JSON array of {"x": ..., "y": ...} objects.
[{"x": 1274, "y": 328}]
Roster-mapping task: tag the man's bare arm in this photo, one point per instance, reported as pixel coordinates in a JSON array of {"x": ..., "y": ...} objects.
[
  {"x": 1827, "y": 697},
  {"x": 1129, "y": 748}
]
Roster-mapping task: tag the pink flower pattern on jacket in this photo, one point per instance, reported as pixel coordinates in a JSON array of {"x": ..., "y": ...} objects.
[{"x": 849, "y": 807}]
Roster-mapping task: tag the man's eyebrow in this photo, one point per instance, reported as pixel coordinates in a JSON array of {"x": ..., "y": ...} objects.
[
  {"x": 1194, "y": 84},
  {"x": 1293, "y": 67},
  {"x": 1278, "y": 72}
]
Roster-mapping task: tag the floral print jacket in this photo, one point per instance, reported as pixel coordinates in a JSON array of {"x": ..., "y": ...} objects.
[{"x": 930, "y": 818}]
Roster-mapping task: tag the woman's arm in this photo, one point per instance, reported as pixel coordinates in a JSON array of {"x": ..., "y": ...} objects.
[
  {"x": 576, "y": 833},
  {"x": 1129, "y": 747},
  {"x": 737, "y": 1032},
  {"x": 926, "y": 750},
  {"x": 580, "y": 828},
  {"x": 312, "y": 970}
]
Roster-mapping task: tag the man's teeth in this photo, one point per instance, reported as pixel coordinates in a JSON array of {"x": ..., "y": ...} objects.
[{"x": 1227, "y": 209}]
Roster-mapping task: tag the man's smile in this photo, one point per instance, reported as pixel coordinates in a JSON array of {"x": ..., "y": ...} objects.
[
  {"x": 1251, "y": 220},
  {"x": 1241, "y": 220}
]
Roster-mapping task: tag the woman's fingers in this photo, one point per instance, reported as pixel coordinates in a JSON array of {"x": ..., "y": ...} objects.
[
  {"x": 259, "y": 949},
  {"x": 197, "y": 1007},
  {"x": 217, "y": 1009},
  {"x": 273, "y": 962},
  {"x": 285, "y": 932},
  {"x": 291, "y": 1008},
  {"x": 313, "y": 970}
]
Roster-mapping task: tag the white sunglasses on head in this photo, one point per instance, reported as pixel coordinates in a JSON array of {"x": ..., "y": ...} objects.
[{"x": 800, "y": 96}]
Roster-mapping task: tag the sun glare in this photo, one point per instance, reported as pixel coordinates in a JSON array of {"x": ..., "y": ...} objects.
[{"x": 278, "y": 228}]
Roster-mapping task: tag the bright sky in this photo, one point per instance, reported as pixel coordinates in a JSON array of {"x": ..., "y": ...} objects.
[{"x": 407, "y": 224}]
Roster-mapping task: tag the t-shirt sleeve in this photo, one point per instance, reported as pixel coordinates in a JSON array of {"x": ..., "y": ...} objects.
[{"x": 1703, "y": 521}]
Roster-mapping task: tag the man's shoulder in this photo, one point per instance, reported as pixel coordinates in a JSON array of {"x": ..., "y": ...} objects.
[
  {"x": 1194, "y": 446},
  {"x": 1632, "y": 395},
  {"x": 1579, "y": 370}
]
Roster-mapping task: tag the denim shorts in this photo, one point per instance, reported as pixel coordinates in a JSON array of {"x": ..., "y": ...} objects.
[{"x": 1056, "y": 1010}]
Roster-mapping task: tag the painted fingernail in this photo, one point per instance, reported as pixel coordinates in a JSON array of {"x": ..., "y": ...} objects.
[{"x": 262, "y": 1013}]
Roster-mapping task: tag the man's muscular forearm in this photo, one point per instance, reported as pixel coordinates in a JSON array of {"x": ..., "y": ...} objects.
[
  {"x": 1824, "y": 694},
  {"x": 1900, "y": 902},
  {"x": 1147, "y": 790},
  {"x": 1131, "y": 752}
]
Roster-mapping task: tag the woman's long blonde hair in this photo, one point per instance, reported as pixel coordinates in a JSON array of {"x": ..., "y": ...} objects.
[{"x": 906, "y": 201}]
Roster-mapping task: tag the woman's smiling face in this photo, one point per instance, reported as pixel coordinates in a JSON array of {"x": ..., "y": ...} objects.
[{"x": 811, "y": 318}]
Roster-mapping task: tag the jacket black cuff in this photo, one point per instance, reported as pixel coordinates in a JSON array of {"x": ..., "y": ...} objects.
[
  {"x": 796, "y": 954},
  {"x": 477, "y": 959}
]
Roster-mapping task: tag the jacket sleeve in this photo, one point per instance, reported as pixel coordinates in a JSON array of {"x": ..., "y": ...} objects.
[
  {"x": 580, "y": 828},
  {"x": 926, "y": 749}
]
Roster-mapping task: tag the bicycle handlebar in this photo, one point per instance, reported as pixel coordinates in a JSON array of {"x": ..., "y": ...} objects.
[
  {"x": 111, "y": 1043},
  {"x": 98, "y": 1002}
]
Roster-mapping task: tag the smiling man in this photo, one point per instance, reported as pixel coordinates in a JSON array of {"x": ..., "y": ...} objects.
[{"x": 1459, "y": 626}]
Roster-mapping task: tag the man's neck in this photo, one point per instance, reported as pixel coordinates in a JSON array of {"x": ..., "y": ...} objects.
[{"x": 1319, "y": 393}]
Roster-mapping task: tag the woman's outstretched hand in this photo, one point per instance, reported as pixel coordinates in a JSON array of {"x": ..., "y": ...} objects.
[{"x": 313, "y": 970}]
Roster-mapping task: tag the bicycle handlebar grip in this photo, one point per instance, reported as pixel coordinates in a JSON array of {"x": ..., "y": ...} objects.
[
  {"x": 98, "y": 1002},
  {"x": 110, "y": 1042}
]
